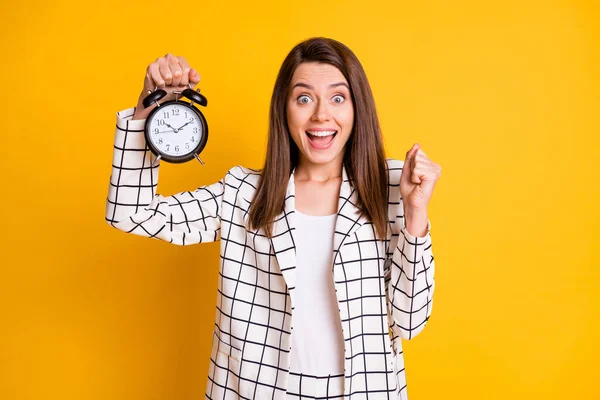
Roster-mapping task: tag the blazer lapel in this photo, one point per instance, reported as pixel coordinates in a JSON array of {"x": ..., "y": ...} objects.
[
  {"x": 349, "y": 218},
  {"x": 283, "y": 240}
]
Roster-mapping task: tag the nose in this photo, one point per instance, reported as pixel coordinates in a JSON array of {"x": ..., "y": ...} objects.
[{"x": 321, "y": 112}]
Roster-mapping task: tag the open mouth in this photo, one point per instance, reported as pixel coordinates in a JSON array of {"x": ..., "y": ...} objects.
[{"x": 321, "y": 139}]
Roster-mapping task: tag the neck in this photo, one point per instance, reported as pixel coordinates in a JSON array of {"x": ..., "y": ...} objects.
[{"x": 309, "y": 171}]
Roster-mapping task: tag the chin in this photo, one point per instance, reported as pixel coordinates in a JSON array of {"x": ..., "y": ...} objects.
[{"x": 326, "y": 158}]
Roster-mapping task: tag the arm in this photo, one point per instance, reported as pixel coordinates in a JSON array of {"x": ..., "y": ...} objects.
[
  {"x": 134, "y": 207},
  {"x": 411, "y": 284},
  {"x": 412, "y": 281}
]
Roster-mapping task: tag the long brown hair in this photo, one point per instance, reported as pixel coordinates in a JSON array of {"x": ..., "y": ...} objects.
[{"x": 364, "y": 157}]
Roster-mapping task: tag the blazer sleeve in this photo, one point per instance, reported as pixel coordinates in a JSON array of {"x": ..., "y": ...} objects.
[
  {"x": 409, "y": 269},
  {"x": 412, "y": 282},
  {"x": 133, "y": 206}
]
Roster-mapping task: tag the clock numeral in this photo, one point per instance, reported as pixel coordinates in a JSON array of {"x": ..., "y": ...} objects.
[
  {"x": 161, "y": 122},
  {"x": 187, "y": 146},
  {"x": 160, "y": 141},
  {"x": 166, "y": 114},
  {"x": 191, "y": 119},
  {"x": 155, "y": 130},
  {"x": 176, "y": 148},
  {"x": 175, "y": 111},
  {"x": 186, "y": 115},
  {"x": 168, "y": 147},
  {"x": 195, "y": 130},
  {"x": 193, "y": 139}
]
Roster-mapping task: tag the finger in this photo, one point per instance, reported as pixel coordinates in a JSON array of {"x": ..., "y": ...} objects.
[
  {"x": 185, "y": 71},
  {"x": 421, "y": 162},
  {"x": 408, "y": 167},
  {"x": 420, "y": 154},
  {"x": 155, "y": 75},
  {"x": 175, "y": 71},
  {"x": 410, "y": 152},
  {"x": 165, "y": 73},
  {"x": 194, "y": 77},
  {"x": 415, "y": 178},
  {"x": 425, "y": 167},
  {"x": 183, "y": 62},
  {"x": 429, "y": 182},
  {"x": 407, "y": 175},
  {"x": 427, "y": 173},
  {"x": 428, "y": 169},
  {"x": 171, "y": 69},
  {"x": 423, "y": 173},
  {"x": 432, "y": 171},
  {"x": 410, "y": 156},
  {"x": 185, "y": 77}
]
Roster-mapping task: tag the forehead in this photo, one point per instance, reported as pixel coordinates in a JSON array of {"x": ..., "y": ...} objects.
[{"x": 317, "y": 74}]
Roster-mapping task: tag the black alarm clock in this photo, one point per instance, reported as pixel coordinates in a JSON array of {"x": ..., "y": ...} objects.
[{"x": 176, "y": 130}]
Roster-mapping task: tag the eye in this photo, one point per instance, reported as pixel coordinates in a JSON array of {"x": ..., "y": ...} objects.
[
  {"x": 338, "y": 98},
  {"x": 304, "y": 99}
]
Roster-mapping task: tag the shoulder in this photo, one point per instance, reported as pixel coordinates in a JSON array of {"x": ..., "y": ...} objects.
[
  {"x": 394, "y": 170},
  {"x": 242, "y": 178}
]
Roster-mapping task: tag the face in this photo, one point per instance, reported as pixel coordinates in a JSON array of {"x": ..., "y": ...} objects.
[{"x": 320, "y": 114}]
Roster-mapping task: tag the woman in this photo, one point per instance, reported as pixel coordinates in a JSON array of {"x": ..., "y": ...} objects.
[{"x": 329, "y": 240}]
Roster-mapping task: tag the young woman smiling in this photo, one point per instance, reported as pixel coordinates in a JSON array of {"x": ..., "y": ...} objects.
[{"x": 326, "y": 257}]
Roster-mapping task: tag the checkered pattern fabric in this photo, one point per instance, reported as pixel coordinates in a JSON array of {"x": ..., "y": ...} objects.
[
  {"x": 304, "y": 387},
  {"x": 384, "y": 287}
]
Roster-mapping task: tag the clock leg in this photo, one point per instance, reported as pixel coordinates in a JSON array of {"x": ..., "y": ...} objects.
[
  {"x": 155, "y": 161},
  {"x": 198, "y": 158}
]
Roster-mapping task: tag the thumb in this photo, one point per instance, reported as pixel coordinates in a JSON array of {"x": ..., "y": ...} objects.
[{"x": 408, "y": 163}]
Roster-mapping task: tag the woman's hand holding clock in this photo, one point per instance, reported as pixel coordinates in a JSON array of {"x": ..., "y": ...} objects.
[
  {"x": 175, "y": 129},
  {"x": 169, "y": 73}
]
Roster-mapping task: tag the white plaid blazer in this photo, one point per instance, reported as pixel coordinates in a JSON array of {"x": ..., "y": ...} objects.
[{"x": 384, "y": 288}]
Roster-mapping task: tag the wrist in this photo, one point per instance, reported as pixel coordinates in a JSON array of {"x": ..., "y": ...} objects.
[
  {"x": 140, "y": 111},
  {"x": 416, "y": 222},
  {"x": 413, "y": 211}
]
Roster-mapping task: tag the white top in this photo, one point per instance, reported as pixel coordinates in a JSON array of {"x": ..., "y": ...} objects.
[{"x": 317, "y": 339}]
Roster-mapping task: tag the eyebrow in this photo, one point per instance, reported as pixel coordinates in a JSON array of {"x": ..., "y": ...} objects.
[{"x": 333, "y": 85}]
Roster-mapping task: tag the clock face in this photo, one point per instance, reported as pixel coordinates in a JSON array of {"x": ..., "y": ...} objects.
[{"x": 175, "y": 130}]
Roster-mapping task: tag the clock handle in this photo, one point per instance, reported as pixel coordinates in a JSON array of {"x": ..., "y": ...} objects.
[{"x": 153, "y": 97}]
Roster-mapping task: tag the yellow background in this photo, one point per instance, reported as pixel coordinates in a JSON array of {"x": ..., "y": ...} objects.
[{"x": 504, "y": 95}]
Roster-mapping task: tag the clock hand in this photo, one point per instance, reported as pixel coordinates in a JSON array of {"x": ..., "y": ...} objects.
[
  {"x": 167, "y": 131},
  {"x": 189, "y": 122},
  {"x": 170, "y": 127}
]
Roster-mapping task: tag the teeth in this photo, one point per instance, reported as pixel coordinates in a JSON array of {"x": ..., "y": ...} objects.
[{"x": 321, "y": 133}]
